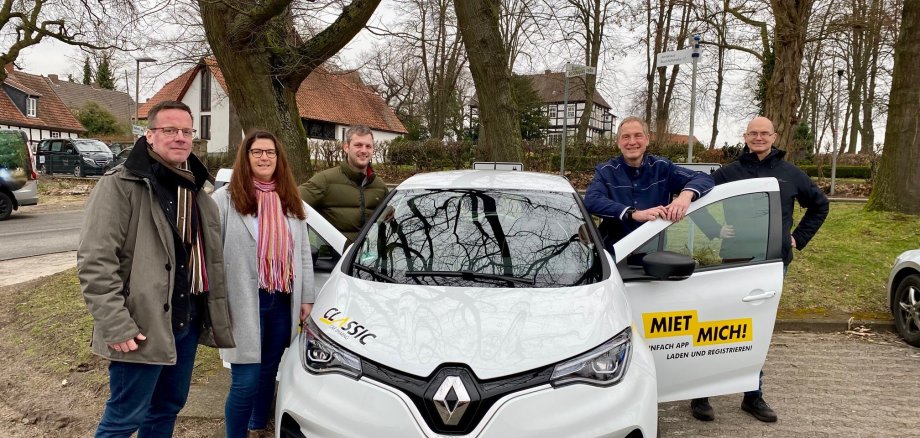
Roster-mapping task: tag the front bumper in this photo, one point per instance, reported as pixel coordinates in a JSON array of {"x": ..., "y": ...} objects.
[
  {"x": 28, "y": 194},
  {"x": 338, "y": 406}
]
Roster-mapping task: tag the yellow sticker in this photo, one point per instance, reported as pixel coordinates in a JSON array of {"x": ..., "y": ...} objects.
[
  {"x": 667, "y": 324},
  {"x": 686, "y": 323}
]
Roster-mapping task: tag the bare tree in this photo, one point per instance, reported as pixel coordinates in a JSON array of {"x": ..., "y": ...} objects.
[
  {"x": 500, "y": 132},
  {"x": 264, "y": 58},
  {"x": 103, "y": 25}
]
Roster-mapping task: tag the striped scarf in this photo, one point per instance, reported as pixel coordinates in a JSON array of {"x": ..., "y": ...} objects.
[
  {"x": 276, "y": 246},
  {"x": 188, "y": 225}
]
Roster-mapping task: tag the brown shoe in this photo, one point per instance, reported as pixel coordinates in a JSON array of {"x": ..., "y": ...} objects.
[{"x": 260, "y": 433}]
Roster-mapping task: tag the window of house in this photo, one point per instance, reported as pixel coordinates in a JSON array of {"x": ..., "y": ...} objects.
[
  {"x": 570, "y": 111},
  {"x": 55, "y": 134},
  {"x": 553, "y": 110},
  {"x": 32, "y": 106},
  {"x": 205, "y": 131},
  {"x": 205, "y": 91}
]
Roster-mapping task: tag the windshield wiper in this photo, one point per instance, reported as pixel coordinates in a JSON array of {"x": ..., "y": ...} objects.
[
  {"x": 470, "y": 275},
  {"x": 377, "y": 274}
]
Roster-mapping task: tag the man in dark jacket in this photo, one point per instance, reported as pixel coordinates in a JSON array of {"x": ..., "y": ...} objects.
[
  {"x": 635, "y": 188},
  {"x": 347, "y": 195},
  {"x": 150, "y": 264},
  {"x": 761, "y": 159}
]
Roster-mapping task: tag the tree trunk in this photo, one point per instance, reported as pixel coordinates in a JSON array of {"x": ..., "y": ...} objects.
[
  {"x": 897, "y": 185},
  {"x": 262, "y": 98},
  {"x": 783, "y": 88},
  {"x": 264, "y": 62},
  {"x": 500, "y": 126}
]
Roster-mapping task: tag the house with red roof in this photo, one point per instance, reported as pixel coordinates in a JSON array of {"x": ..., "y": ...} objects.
[
  {"x": 329, "y": 102},
  {"x": 550, "y": 86},
  {"x": 28, "y": 103}
]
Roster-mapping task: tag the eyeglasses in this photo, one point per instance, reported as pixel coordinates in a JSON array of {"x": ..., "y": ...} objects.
[
  {"x": 758, "y": 134},
  {"x": 258, "y": 153},
  {"x": 171, "y": 132}
]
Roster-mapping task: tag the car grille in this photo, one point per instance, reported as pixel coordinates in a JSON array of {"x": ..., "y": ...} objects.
[
  {"x": 483, "y": 393},
  {"x": 101, "y": 163}
]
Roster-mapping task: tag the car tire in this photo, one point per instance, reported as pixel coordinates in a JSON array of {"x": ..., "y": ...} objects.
[
  {"x": 78, "y": 171},
  {"x": 906, "y": 309},
  {"x": 6, "y": 206}
]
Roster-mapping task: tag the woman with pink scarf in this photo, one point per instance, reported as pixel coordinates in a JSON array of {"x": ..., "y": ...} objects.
[{"x": 269, "y": 276}]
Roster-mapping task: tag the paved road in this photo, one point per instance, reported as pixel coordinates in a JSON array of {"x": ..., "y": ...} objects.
[
  {"x": 31, "y": 232},
  {"x": 820, "y": 384}
]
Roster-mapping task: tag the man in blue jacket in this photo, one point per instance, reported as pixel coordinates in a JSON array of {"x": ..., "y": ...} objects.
[
  {"x": 635, "y": 188},
  {"x": 760, "y": 159}
]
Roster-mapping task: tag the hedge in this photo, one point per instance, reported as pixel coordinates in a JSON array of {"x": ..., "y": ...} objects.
[{"x": 864, "y": 172}]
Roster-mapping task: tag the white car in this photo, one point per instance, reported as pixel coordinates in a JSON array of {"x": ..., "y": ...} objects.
[
  {"x": 481, "y": 303},
  {"x": 904, "y": 295}
]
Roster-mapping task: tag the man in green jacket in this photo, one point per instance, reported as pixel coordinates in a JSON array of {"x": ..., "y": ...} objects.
[
  {"x": 348, "y": 194},
  {"x": 150, "y": 263}
]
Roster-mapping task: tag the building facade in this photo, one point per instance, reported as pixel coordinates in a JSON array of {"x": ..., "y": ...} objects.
[
  {"x": 328, "y": 102},
  {"x": 29, "y": 104}
]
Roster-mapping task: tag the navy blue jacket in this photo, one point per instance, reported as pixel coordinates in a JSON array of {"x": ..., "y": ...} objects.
[
  {"x": 794, "y": 185},
  {"x": 617, "y": 186}
]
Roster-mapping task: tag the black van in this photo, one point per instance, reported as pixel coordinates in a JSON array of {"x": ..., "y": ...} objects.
[
  {"x": 76, "y": 156},
  {"x": 17, "y": 179}
]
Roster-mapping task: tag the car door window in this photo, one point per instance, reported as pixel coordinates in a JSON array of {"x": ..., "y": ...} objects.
[
  {"x": 56, "y": 146},
  {"x": 725, "y": 233},
  {"x": 324, "y": 256}
]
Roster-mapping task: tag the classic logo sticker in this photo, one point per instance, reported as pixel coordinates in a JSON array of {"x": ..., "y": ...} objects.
[
  {"x": 686, "y": 323},
  {"x": 347, "y": 327}
]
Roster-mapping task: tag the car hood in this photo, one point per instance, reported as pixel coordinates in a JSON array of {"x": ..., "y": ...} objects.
[
  {"x": 98, "y": 155},
  {"x": 494, "y": 331}
]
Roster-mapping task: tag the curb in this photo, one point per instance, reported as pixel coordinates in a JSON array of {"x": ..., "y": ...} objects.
[{"x": 832, "y": 325}]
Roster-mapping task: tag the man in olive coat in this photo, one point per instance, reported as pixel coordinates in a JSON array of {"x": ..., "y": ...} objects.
[
  {"x": 150, "y": 264},
  {"x": 348, "y": 194}
]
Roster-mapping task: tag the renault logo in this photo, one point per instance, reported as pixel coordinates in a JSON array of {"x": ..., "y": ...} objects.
[{"x": 451, "y": 400}]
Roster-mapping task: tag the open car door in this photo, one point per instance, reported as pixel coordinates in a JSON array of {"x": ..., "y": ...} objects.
[
  {"x": 709, "y": 328},
  {"x": 326, "y": 246}
]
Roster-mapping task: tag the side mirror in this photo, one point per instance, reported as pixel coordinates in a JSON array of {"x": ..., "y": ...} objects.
[{"x": 667, "y": 265}]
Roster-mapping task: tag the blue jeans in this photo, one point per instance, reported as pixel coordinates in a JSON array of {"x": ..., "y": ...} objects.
[
  {"x": 147, "y": 398},
  {"x": 252, "y": 385}
]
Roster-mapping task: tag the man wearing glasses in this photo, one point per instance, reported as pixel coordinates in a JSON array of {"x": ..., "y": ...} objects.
[
  {"x": 150, "y": 264},
  {"x": 760, "y": 159},
  {"x": 348, "y": 194}
]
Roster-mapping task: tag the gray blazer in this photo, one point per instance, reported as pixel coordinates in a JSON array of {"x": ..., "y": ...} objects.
[{"x": 242, "y": 274}]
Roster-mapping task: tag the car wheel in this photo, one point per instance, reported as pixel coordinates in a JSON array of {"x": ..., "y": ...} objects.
[
  {"x": 78, "y": 171},
  {"x": 906, "y": 309},
  {"x": 6, "y": 206}
]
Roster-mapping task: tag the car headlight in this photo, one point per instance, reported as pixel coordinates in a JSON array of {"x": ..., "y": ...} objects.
[
  {"x": 320, "y": 355},
  {"x": 89, "y": 161},
  {"x": 603, "y": 366}
]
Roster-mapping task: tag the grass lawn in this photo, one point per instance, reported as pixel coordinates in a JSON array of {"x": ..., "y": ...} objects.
[
  {"x": 844, "y": 269},
  {"x": 55, "y": 325}
]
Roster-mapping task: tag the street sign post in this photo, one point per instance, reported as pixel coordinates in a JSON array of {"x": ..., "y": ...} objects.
[
  {"x": 684, "y": 56},
  {"x": 571, "y": 71},
  {"x": 674, "y": 57}
]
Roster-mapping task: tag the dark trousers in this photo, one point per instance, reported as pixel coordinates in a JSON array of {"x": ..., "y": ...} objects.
[
  {"x": 147, "y": 398},
  {"x": 252, "y": 385}
]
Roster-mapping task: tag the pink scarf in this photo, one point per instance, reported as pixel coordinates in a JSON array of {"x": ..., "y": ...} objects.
[{"x": 276, "y": 246}]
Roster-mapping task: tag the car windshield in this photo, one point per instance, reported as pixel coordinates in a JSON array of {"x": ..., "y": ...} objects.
[
  {"x": 484, "y": 238},
  {"x": 91, "y": 146}
]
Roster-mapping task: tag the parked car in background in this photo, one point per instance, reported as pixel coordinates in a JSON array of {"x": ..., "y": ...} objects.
[
  {"x": 482, "y": 303},
  {"x": 122, "y": 156},
  {"x": 18, "y": 184},
  {"x": 76, "y": 156},
  {"x": 904, "y": 295}
]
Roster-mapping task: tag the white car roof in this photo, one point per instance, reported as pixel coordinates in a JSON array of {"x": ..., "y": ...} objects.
[{"x": 488, "y": 179}]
